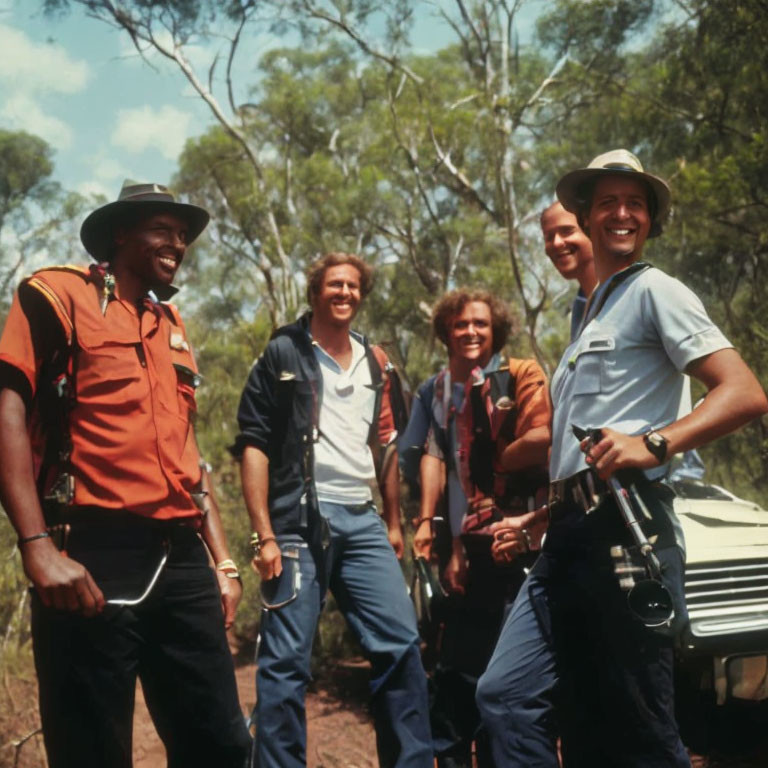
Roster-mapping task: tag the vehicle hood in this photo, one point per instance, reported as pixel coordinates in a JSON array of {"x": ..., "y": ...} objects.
[{"x": 723, "y": 530}]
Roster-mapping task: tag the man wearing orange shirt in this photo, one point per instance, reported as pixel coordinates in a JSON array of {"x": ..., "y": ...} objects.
[{"x": 101, "y": 477}]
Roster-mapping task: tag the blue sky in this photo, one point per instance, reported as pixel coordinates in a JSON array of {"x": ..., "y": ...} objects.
[{"x": 81, "y": 86}]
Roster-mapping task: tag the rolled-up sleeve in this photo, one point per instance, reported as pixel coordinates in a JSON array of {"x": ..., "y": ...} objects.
[
  {"x": 681, "y": 321},
  {"x": 410, "y": 444},
  {"x": 534, "y": 407},
  {"x": 30, "y": 335}
]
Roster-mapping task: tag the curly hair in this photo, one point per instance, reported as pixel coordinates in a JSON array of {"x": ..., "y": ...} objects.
[
  {"x": 452, "y": 303},
  {"x": 317, "y": 269}
]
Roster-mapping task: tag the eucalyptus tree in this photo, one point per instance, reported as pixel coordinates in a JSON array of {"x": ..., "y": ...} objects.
[
  {"x": 25, "y": 185},
  {"x": 169, "y": 28},
  {"x": 499, "y": 167},
  {"x": 690, "y": 101}
]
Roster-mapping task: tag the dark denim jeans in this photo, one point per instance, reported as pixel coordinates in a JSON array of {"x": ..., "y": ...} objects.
[
  {"x": 515, "y": 693},
  {"x": 571, "y": 630},
  {"x": 174, "y": 641},
  {"x": 365, "y": 578}
]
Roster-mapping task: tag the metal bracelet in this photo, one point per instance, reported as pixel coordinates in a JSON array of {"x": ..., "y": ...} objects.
[{"x": 33, "y": 537}]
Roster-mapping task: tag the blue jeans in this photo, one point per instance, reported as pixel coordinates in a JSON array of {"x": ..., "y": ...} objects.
[
  {"x": 365, "y": 578},
  {"x": 571, "y": 628},
  {"x": 515, "y": 693}
]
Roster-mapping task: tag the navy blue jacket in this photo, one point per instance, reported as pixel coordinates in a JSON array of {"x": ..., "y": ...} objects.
[{"x": 278, "y": 414}]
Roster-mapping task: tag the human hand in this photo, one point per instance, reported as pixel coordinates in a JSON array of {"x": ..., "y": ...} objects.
[
  {"x": 269, "y": 562},
  {"x": 61, "y": 583},
  {"x": 616, "y": 451},
  {"x": 517, "y": 535},
  {"x": 231, "y": 592},
  {"x": 395, "y": 536},
  {"x": 455, "y": 573},
  {"x": 423, "y": 538}
]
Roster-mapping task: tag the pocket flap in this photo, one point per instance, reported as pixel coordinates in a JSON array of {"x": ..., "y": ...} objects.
[{"x": 599, "y": 344}]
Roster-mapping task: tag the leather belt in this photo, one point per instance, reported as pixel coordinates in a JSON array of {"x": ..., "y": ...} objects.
[{"x": 584, "y": 489}]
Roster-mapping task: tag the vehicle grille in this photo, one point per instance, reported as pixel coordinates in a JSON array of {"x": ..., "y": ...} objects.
[{"x": 726, "y": 597}]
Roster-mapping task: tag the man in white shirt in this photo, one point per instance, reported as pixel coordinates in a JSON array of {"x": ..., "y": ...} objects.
[{"x": 316, "y": 431}]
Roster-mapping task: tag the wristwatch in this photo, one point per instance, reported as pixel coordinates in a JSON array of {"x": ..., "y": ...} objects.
[{"x": 656, "y": 443}]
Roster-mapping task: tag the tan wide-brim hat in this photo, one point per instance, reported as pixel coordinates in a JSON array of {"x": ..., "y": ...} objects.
[
  {"x": 618, "y": 162},
  {"x": 96, "y": 231}
]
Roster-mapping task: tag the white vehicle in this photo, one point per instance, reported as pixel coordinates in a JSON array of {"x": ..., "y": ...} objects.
[{"x": 726, "y": 590}]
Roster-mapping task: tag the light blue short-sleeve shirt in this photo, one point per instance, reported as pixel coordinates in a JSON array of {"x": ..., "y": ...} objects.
[{"x": 625, "y": 370}]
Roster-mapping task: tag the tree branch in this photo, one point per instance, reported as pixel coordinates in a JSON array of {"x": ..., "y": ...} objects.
[{"x": 341, "y": 23}]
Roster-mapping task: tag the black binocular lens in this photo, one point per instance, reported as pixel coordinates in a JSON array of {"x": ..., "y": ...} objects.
[{"x": 651, "y": 602}]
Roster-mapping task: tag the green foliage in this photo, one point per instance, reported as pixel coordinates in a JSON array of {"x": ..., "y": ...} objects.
[
  {"x": 25, "y": 170},
  {"x": 434, "y": 167}
]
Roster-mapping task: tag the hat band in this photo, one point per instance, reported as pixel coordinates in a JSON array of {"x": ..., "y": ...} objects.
[
  {"x": 619, "y": 167},
  {"x": 148, "y": 197}
]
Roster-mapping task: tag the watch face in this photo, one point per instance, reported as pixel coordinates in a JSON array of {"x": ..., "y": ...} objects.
[{"x": 656, "y": 444}]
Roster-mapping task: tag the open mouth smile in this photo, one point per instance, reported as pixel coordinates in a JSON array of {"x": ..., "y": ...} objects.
[{"x": 168, "y": 262}]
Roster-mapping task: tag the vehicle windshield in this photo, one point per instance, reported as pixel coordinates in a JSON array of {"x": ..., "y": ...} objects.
[{"x": 692, "y": 489}]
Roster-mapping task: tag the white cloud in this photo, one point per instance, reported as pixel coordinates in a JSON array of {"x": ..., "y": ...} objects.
[
  {"x": 93, "y": 187},
  {"x": 165, "y": 129},
  {"x": 38, "y": 67},
  {"x": 24, "y": 113},
  {"x": 106, "y": 169}
]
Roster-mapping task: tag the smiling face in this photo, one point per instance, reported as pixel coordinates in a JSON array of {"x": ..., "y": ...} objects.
[
  {"x": 152, "y": 248},
  {"x": 566, "y": 245},
  {"x": 470, "y": 334},
  {"x": 337, "y": 301},
  {"x": 618, "y": 220}
]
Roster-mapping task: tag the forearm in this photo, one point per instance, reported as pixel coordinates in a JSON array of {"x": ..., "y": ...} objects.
[
  {"x": 213, "y": 530},
  {"x": 529, "y": 450},
  {"x": 60, "y": 582},
  {"x": 390, "y": 493},
  {"x": 432, "y": 480},
  {"x": 254, "y": 473},
  {"x": 18, "y": 492},
  {"x": 734, "y": 398}
]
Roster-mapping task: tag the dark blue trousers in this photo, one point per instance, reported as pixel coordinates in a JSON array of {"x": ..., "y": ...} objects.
[
  {"x": 365, "y": 578},
  {"x": 571, "y": 630}
]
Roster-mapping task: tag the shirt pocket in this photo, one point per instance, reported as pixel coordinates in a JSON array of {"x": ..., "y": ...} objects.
[
  {"x": 187, "y": 382},
  {"x": 109, "y": 366},
  {"x": 296, "y": 402},
  {"x": 588, "y": 365}
]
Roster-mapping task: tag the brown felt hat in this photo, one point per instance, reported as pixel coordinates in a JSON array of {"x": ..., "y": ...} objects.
[
  {"x": 571, "y": 189},
  {"x": 96, "y": 231}
]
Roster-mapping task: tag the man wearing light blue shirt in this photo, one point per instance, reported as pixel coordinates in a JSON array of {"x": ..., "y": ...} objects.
[{"x": 622, "y": 374}]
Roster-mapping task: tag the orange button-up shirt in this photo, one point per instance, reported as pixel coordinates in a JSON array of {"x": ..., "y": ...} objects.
[{"x": 134, "y": 379}]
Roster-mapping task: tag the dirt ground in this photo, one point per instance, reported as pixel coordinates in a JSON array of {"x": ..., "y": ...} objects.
[
  {"x": 340, "y": 734},
  {"x": 339, "y": 730}
]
